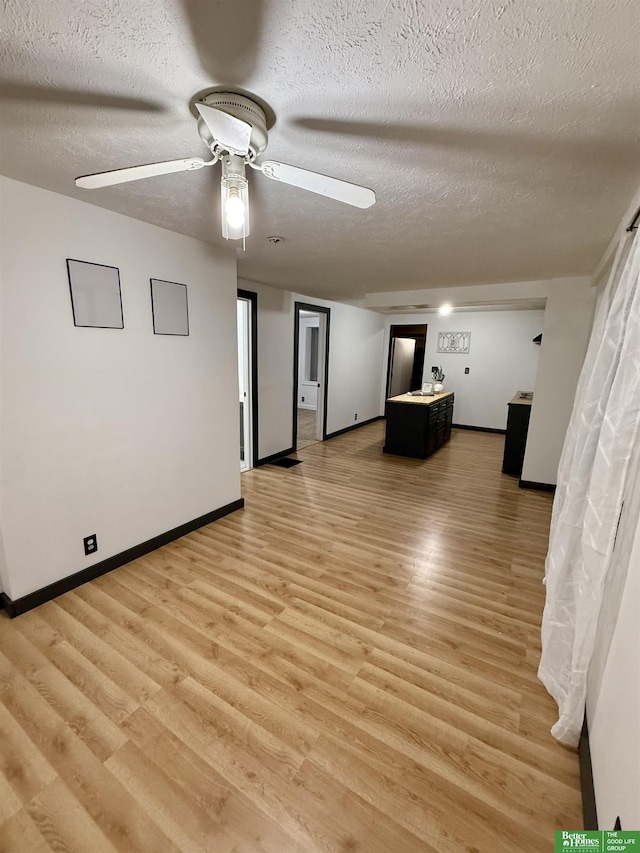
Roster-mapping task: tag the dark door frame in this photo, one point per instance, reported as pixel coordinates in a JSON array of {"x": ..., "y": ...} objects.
[
  {"x": 317, "y": 309},
  {"x": 253, "y": 301},
  {"x": 417, "y": 332}
]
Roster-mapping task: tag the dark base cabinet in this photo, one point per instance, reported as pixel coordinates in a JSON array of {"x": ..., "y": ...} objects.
[
  {"x": 417, "y": 426},
  {"x": 515, "y": 441}
]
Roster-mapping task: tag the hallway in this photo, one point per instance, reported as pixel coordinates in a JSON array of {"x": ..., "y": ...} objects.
[{"x": 306, "y": 428}]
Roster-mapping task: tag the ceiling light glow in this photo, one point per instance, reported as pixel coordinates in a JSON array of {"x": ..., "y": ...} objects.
[
  {"x": 234, "y": 198},
  {"x": 234, "y": 210},
  {"x": 445, "y": 309}
]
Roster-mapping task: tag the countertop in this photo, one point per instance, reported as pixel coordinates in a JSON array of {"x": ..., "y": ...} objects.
[
  {"x": 408, "y": 398},
  {"x": 518, "y": 399}
]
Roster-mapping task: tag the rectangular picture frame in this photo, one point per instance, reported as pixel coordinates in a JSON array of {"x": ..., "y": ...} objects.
[
  {"x": 96, "y": 296},
  {"x": 454, "y": 342},
  {"x": 169, "y": 308}
]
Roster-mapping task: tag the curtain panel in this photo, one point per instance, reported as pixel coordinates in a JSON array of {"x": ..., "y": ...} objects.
[{"x": 600, "y": 440}]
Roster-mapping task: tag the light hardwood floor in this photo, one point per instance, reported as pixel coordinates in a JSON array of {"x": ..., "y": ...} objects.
[{"x": 347, "y": 665}]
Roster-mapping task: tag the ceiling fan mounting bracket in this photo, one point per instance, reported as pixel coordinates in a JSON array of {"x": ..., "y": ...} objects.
[{"x": 240, "y": 107}]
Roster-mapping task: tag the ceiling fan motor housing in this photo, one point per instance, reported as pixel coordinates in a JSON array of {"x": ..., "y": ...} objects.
[{"x": 242, "y": 108}]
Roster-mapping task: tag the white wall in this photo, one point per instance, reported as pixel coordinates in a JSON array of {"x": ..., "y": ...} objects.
[
  {"x": 614, "y": 722},
  {"x": 122, "y": 433},
  {"x": 355, "y": 365},
  {"x": 3, "y": 562},
  {"x": 502, "y": 359},
  {"x": 567, "y": 326},
  {"x": 613, "y": 687},
  {"x": 275, "y": 368}
]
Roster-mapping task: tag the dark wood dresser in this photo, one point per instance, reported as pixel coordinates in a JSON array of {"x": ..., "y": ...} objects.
[{"x": 417, "y": 426}]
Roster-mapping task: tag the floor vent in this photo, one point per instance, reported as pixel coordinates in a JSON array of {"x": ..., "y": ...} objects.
[{"x": 286, "y": 462}]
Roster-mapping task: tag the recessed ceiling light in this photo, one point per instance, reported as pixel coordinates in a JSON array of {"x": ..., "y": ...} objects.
[
  {"x": 444, "y": 309},
  {"x": 275, "y": 239}
]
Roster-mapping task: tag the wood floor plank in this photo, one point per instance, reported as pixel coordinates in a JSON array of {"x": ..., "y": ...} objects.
[
  {"x": 82, "y": 715},
  {"x": 338, "y": 819},
  {"x": 22, "y": 764},
  {"x": 238, "y": 822},
  {"x": 174, "y": 811},
  {"x": 64, "y": 824},
  {"x": 348, "y": 665},
  {"x": 97, "y": 614},
  {"x": 237, "y": 756},
  {"x": 9, "y": 802},
  {"x": 20, "y": 834},
  {"x": 119, "y": 817}
]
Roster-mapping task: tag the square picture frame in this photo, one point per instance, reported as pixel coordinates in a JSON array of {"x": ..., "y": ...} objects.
[
  {"x": 96, "y": 295},
  {"x": 169, "y": 308}
]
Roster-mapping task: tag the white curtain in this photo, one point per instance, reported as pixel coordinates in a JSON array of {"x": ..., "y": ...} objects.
[{"x": 591, "y": 479}]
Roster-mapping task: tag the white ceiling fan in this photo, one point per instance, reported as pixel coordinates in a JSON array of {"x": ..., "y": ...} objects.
[{"x": 234, "y": 129}]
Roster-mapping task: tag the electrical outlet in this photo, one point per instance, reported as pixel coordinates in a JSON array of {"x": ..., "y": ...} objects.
[
  {"x": 355, "y": 417},
  {"x": 466, "y": 370},
  {"x": 303, "y": 399},
  {"x": 90, "y": 543}
]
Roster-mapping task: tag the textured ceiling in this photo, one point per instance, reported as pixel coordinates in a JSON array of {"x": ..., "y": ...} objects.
[{"x": 501, "y": 137}]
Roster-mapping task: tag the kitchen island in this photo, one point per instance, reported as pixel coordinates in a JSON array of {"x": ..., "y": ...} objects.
[{"x": 418, "y": 425}]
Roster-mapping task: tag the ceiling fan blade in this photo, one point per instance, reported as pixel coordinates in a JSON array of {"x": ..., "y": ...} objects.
[
  {"x": 231, "y": 132},
  {"x": 135, "y": 173},
  {"x": 226, "y": 34},
  {"x": 320, "y": 184},
  {"x": 16, "y": 91}
]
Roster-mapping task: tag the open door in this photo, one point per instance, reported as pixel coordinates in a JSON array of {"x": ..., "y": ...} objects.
[
  {"x": 403, "y": 351},
  {"x": 311, "y": 346},
  {"x": 247, "y": 378},
  {"x": 406, "y": 359}
]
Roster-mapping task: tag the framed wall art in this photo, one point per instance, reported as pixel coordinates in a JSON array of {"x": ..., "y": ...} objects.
[
  {"x": 454, "y": 342},
  {"x": 169, "y": 307},
  {"x": 96, "y": 299}
]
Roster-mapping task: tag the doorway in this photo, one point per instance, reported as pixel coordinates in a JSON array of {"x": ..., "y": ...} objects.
[
  {"x": 311, "y": 353},
  {"x": 247, "y": 377},
  {"x": 406, "y": 359}
]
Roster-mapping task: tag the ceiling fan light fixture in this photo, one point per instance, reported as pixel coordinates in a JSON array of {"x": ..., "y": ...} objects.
[
  {"x": 234, "y": 197},
  {"x": 234, "y": 129}
]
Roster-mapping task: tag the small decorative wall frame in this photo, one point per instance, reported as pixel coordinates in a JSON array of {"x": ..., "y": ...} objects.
[
  {"x": 169, "y": 307},
  {"x": 96, "y": 300},
  {"x": 454, "y": 342}
]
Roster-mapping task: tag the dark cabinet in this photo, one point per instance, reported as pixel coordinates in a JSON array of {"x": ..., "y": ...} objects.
[
  {"x": 515, "y": 441},
  {"x": 417, "y": 426}
]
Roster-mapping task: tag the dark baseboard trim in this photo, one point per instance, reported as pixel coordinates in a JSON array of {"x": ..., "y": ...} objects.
[
  {"x": 480, "y": 429},
  {"x": 274, "y": 456},
  {"x": 539, "y": 487},
  {"x": 40, "y": 596},
  {"x": 354, "y": 426},
  {"x": 589, "y": 812}
]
